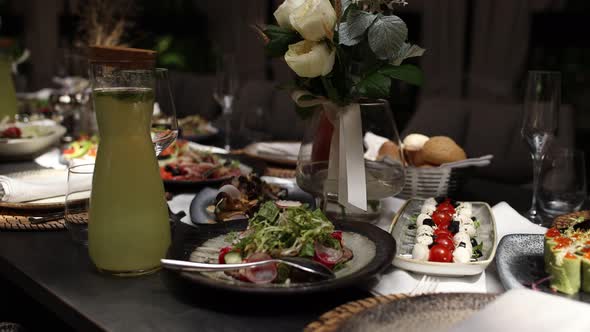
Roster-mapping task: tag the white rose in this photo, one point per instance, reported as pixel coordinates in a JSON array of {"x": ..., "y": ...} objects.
[
  {"x": 314, "y": 19},
  {"x": 284, "y": 11},
  {"x": 310, "y": 59}
]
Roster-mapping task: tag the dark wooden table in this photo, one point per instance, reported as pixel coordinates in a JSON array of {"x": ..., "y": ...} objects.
[{"x": 46, "y": 281}]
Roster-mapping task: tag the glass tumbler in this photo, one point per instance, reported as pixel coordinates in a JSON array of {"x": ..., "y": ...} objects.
[{"x": 78, "y": 201}]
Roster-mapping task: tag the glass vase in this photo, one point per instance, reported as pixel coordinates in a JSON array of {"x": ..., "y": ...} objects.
[{"x": 384, "y": 176}]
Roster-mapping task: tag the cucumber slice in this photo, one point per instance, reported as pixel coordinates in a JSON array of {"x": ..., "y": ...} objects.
[{"x": 233, "y": 258}]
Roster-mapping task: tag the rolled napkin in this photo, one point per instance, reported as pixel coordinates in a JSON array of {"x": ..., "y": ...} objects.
[
  {"x": 17, "y": 190},
  {"x": 527, "y": 310},
  {"x": 284, "y": 150}
]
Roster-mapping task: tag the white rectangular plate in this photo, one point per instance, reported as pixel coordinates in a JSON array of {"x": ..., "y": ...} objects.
[{"x": 404, "y": 237}]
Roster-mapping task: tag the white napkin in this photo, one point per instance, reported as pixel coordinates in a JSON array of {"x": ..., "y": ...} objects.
[
  {"x": 182, "y": 202},
  {"x": 50, "y": 159},
  {"x": 17, "y": 190},
  {"x": 286, "y": 150},
  {"x": 526, "y": 310},
  {"x": 373, "y": 143},
  {"x": 508, "y": 221}
]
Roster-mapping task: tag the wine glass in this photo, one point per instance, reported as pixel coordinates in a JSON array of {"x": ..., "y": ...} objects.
[
  {"x": 225, "y": 90},
  {"x": 164, "y": 125},
  {"x": 541, "y": 107},
  {"x": 384, "y": 173}
]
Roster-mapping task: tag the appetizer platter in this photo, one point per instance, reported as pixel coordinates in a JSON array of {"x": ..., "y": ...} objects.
[
  {"x": 25, "y": 140},
  {"x": 354, "y": 251},
  {"x": 183, "y": 167},
  {"x": 82, "y": 149},
  {"x": 557, "y": 262},
  {"x": 238, "y": 199},
  {"x": 441, "y": 236},
  {"x": 196, "y": 128}
]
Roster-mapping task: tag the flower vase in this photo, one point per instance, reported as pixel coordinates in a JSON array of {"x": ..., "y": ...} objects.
[{"x": 334, "y": 167}]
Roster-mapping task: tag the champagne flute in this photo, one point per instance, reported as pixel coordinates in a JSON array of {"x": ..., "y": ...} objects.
[
  {"x": 164, "y": 125},
  {"x": 225, "y": 90},
  {"x": 541, "y": 107}
]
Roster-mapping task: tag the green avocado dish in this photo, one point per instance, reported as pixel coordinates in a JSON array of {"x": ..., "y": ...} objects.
[{"x": 567, "y": 253}]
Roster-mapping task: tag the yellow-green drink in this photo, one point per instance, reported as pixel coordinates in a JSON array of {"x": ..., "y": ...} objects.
[
  {"x": 8, "y": 106},
  {"x": 128, "y": 231}
]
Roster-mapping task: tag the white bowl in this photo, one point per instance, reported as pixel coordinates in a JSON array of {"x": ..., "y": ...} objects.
[
  {"x": 28, "y": 147},
  {"x": 404, "y": 238}
]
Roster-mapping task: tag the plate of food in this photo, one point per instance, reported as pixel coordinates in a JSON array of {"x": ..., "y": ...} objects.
[
  {"x": 354, "y": 251},
  {"x": 183, "y": 167},
  {"x": 196, "y": 128},
  {"x": 441, "y": 236},
  {"x": 557, "y": 262},
  {"x": 26, "y": 140},
  {"x": 241, "y": 197},
  {"x": 83, "y": 149}
]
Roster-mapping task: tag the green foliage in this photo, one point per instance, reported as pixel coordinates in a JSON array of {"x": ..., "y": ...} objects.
[
  {"x": 279, "y": 40},
  {"x": 352, "y": 31},
  {"x": 406, "y": 72},
  {"x": 387, "y": 35}
]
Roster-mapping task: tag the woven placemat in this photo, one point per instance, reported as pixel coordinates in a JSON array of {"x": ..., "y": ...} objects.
[
  {"x": 18, "y": 221},
  {"x": 333, "y": 319}
]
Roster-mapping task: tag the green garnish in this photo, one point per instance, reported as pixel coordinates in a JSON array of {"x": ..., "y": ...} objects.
[
  {"x": 476, "y": 223},
  {"x": 477, "y": 250},
  {"x": 291, "y": 232}
]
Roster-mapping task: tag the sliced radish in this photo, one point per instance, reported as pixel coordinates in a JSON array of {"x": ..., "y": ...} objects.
[
  {"x": 326, "y": 255},
  {"x": 263, "y": 274},
  {"x": 287, "y": 204}
]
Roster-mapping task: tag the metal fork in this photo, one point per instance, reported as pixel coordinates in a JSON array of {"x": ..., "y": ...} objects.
[{"x": 427, "y": 284}]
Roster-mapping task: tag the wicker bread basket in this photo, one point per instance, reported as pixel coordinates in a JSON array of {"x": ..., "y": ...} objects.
[{"x": 433, "y": 182}]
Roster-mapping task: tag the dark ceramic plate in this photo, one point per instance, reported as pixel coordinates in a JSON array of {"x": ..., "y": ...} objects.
[
  {"x": 373, "y": 251},
  {"x": 432, "y": 312},
  {"x": 520, "y": 263},
  {"x": 247, "y": 164},
  {"x": 200, "y": 214}
]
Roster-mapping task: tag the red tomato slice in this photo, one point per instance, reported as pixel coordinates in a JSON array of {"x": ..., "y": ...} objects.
[
  {"x": 263, "y": 274},
  {"x": 440, "y": 253},
  {"x": 443, "y": 232},
  {"x": 222, "y": 254}
]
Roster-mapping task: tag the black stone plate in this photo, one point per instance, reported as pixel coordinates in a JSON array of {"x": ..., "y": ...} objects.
[
  {"x": 520, "y": 263},
  {"x": 377, "y": 251}
]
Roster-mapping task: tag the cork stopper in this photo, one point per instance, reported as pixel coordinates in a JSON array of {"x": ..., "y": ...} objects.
[{"x": 122, "y": 57}]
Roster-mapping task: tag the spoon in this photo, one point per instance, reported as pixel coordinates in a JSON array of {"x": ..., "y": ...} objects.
[{"x": 303, "y": 264}]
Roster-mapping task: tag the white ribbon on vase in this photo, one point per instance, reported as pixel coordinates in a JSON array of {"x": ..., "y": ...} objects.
[{"x": 346, "y": 164}]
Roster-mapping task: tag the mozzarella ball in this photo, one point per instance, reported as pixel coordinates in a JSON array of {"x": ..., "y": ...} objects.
[
  {"x": 430, "y": 201},
  {"x": 463, "y": 219},
  {"x": 463, "y": 205},
  {"x": 468, "y": 228},
  {"x": 420, "y": 252},
  {"x": 461, "y": 237},
  {"x": 464, "y": 211},
  {"x": 421, "y": 218},
  {"x": 425, "y": 229},
  {"x": 461, "y": 255},
  {"x": 424, "y": 239},
  {"x": 428, "y": 209}
]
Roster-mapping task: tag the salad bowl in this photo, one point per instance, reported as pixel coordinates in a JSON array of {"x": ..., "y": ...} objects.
[
  {"x": 402, "y": 230},
  {"x": 373, "y": 251},
  {"x": 42, "y": 137}
]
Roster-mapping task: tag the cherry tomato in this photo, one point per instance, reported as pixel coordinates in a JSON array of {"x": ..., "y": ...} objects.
[
  {"x": 440, "y": 253},
  {"x": 222, "y": 254},
  {"x": 12, "y": 132},
  {"x": 441, "y": 218},
  {"x": 442, "y": 232},
  {"x": 446, "y": 207},
  {"x": 445, "y": 241}
]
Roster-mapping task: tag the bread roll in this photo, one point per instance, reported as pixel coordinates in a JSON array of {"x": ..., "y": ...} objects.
[
  {"x": 389, "y": 149},
  {"x": 414, "y": 142},
  {"x": 441, "y": 149}
]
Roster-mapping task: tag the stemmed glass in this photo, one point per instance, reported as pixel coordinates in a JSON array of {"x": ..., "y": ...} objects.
[
  {"x": 164, "y": 130},
  {"x": 541, "y": 107},
  {"x": 225, "y": 90}
]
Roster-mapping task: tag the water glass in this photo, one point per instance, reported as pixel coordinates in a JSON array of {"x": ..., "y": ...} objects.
[
  {"x": 563, "y": 182},
  {"x": 78, "y": 201}
]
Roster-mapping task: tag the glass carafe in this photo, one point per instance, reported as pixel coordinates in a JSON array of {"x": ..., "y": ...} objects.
[
  {"x": 128, "y": 230},
  {"x": 8, "y": 104}
]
